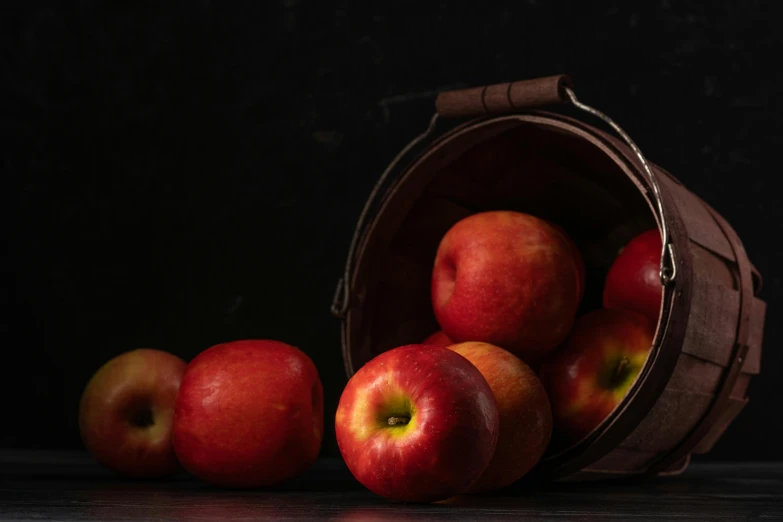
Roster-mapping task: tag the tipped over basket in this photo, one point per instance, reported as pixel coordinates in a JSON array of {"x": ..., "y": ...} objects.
[{"x": 491, "y": 148}]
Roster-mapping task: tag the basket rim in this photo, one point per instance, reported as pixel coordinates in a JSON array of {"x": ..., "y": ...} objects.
[{"x": 667, "y": 343}]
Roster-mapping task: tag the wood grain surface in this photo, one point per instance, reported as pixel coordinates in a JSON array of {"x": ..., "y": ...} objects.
[{"x": 70, "y": 487}]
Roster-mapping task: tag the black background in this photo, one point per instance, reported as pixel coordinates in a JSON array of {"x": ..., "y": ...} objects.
[{"x": 178, "y": 174}]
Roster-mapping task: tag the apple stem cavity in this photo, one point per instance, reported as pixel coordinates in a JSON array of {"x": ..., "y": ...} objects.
[
  {"x": 142, "y": 418},
  {"x": 398, "y": 421}
]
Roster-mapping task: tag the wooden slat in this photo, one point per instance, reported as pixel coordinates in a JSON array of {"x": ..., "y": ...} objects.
[
  {"x": 695, "y": 374},
  {"x": 700, "y": 224},
  {"x": 669, "y": 421},
  {"x": 630, "y": 460},
  {"x": 755, "y": 338},
  {"x": 733, "y": 407},
  {"x": 713, "y": 321},
  {"x": 720, "y": 270},
  {"x": 741, "y": 386},
  {"x": 714, "y": 419}
]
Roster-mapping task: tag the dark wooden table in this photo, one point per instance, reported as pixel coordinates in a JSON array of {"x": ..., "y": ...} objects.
[{"x": 70, "y": 487}]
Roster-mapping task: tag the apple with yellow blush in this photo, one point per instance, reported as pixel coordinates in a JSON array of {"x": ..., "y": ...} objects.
[
  {"x": 588, "y": 377},
  {"x": 126, "y": 413},
  {"x": 417, "y": 423},
  {"x": 525, "y": 414}
]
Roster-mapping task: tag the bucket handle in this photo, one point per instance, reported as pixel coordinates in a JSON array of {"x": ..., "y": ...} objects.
[
  {"x": 506, "y": 98},
  {"x": 668, "y": 270}
]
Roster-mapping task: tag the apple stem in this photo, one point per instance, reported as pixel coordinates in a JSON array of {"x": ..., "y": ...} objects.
[
  {"x": 621, "y": 366},
  {"x": 394, "y": 421}
]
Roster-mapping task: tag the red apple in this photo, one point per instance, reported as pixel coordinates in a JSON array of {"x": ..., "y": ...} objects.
[
  {"x": 417, "y": 423},
  {"x": 438, "y": 339},
  {"x": 508, "y": 279},
  {"x": 633, "y": 282},
  {"x": 524, "y": 410},
  {"x": 126, "y": 410},
  {"x": 249, "y": 414},
  {"x": 591, "y": 374}
]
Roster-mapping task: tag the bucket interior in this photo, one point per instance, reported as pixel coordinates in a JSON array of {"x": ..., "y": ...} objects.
[{"x": 510, "y": 165}]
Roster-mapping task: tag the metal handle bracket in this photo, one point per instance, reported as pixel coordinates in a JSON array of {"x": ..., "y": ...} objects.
[{"x": 668, "y": 270}]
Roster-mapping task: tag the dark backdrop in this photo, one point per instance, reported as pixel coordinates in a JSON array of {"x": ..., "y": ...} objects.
[{"x": 177, "y": 174}]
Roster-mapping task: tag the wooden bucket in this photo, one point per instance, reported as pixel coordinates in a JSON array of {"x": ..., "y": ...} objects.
[{"x": 499, "y": 152}]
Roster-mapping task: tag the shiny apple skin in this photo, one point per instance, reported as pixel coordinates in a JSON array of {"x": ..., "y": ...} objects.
[
  {"x": 588, "y": 377},
  {"x": 249, "y": 414},
  {"x": 633, "y": 281},
  {"x": 508, "y": 279},
  {"x": 448, "y": 441}
]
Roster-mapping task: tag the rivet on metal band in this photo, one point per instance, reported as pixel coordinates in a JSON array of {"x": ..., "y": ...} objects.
[{"x": 668, "y": 270}]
